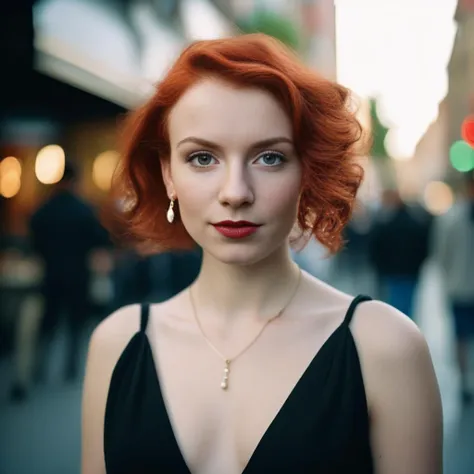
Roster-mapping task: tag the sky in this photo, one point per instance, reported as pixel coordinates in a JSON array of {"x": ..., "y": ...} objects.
[{"x": 397, "y": 51}]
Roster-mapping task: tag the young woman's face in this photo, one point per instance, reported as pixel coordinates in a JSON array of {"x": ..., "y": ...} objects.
[{"x": 233, "y": 171}]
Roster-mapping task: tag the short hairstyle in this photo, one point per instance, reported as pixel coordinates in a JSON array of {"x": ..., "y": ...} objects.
[{"x": 325, "y": 132}]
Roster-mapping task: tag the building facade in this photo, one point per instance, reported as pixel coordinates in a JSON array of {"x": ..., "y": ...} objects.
[
  {"x": 460, "y": 97},
  {"x": 314, "y": 20}
]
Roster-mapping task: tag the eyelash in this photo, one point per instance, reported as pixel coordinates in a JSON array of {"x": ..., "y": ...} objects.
[{"x": 193, "y": 156}]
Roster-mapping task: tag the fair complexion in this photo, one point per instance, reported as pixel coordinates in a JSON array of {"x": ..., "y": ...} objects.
[
  {"x": 233, "y": 158},
  {"x": 219, "y": 169}
]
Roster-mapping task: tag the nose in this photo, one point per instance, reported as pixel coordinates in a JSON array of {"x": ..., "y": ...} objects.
[{"x": 236, "y": 190}]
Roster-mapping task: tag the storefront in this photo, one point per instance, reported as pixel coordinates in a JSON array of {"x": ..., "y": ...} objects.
[{"x": 91, "y": 60}]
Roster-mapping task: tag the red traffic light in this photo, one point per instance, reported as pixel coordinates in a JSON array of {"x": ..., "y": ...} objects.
[{"x": 467, "y": 130}]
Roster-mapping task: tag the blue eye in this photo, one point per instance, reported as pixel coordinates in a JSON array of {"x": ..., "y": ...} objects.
[
  {"x": 201, "y": 159},
  {"x": 271, "y": 158}
]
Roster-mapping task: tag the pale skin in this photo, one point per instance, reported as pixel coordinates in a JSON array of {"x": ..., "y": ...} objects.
[{"x": 241, "y": 285}]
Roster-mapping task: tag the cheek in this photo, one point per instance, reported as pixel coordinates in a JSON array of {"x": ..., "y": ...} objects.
[
  {"x": 193, "y": 198},
  {"x": 189, "y": 190},
  {"x": 282, "y": 198}
]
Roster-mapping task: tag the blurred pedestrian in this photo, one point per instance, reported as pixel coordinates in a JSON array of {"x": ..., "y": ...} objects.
[
  {"x": 398, "y": 249},
  {"x": 453, "y": 249},
  {"x": 64, "y": 232}
]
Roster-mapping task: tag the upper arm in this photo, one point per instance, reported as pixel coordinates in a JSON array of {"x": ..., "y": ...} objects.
[
  {"x": 106, "y": 344},
  {"x": 403, "y": 394}
]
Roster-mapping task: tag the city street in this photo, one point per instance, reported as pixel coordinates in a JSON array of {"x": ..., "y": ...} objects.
[
  {"x": 365, "y": 110},
  {"x": 42, "y": 436}
]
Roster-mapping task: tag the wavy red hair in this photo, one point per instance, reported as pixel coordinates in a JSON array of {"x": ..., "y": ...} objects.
[{"x": 325, "y": 133}]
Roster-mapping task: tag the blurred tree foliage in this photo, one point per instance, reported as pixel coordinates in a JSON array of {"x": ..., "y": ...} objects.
[
  {"x": 272, "y": 24},
  {"x": 379, "y": 132},
  {"x": 380, "y": 158}
]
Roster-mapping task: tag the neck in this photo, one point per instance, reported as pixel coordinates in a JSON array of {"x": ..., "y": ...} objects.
[{"x": 255, "y": 291}]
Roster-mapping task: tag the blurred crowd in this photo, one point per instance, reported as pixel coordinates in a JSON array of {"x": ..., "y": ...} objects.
[{"x": 70, "y": 273}]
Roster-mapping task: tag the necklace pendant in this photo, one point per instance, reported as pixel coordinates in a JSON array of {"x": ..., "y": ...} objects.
[{"x": 225, "y": 378}]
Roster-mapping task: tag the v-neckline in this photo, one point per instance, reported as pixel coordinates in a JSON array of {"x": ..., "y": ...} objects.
[{"x": 274, "y": 421}]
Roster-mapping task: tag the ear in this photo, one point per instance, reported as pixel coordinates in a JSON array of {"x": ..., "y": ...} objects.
[{"x": 167, "y": 179}]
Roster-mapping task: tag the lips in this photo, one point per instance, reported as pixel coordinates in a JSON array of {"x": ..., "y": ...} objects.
[{"x": 236, "y": 229}]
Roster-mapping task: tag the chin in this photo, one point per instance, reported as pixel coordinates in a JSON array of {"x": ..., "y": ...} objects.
[{"x": 241, "y": 254}]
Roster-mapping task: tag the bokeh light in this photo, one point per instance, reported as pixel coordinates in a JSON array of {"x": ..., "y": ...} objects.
[
  {"x": 399, "y": 145},
  {"x": 49, "y": 165},
  {"x": 10, "y": 176},
  {"x": 461, "y": 156},
  {"x": 202, "y": 22},
  {"x": 103, "y": 169},
  {"x": 10, "y": 163},
  {"x": 438, "y": 197},
  {"x": 10, "y": 184},
  {"x": 467, "y": 130}
]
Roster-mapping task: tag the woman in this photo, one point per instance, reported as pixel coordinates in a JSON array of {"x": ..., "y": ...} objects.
[{"x": 256, "y": 367}]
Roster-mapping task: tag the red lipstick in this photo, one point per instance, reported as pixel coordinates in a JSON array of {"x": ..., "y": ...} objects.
[{"x": 236, "y": 229}]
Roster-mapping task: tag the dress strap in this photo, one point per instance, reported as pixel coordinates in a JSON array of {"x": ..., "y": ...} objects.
[
  {"x": 354, "y": 303},
  {"x": 144, "y": 313}
]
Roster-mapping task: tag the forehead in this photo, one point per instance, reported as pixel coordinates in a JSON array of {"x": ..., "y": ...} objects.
[{"x": 216, "y": 110}]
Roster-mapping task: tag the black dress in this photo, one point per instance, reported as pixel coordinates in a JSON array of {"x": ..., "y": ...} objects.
[{"x": 323, "y": 426}]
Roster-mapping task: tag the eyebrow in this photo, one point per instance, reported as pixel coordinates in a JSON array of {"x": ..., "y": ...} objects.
[{"x": 254, "y": 146}]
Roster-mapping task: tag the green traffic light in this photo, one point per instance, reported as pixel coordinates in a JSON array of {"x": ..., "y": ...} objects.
[{"x": 461, "y": 156}]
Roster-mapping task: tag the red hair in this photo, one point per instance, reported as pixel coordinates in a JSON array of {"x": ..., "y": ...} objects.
[{"x": 325, "y": 134}]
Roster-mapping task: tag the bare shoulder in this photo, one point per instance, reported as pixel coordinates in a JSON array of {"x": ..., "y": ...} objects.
[
  {"x": 377, "y": 327},
  {"x": 112, "y": 334},
  {"x": 106, "y": 344},
  {"x": 385, "y": 335},
  {"x": 387, "y": 340},
  {"x": 394, "y": 356},
  {"x": 402, "y": 392},
  {"x": 401, "y": 389}
]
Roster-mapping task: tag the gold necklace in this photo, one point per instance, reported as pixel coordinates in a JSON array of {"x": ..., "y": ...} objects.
[{"x": 227, "y": 360}]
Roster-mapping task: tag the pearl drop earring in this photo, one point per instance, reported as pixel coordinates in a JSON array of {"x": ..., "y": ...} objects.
[{"x": 170, "y": 212}]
